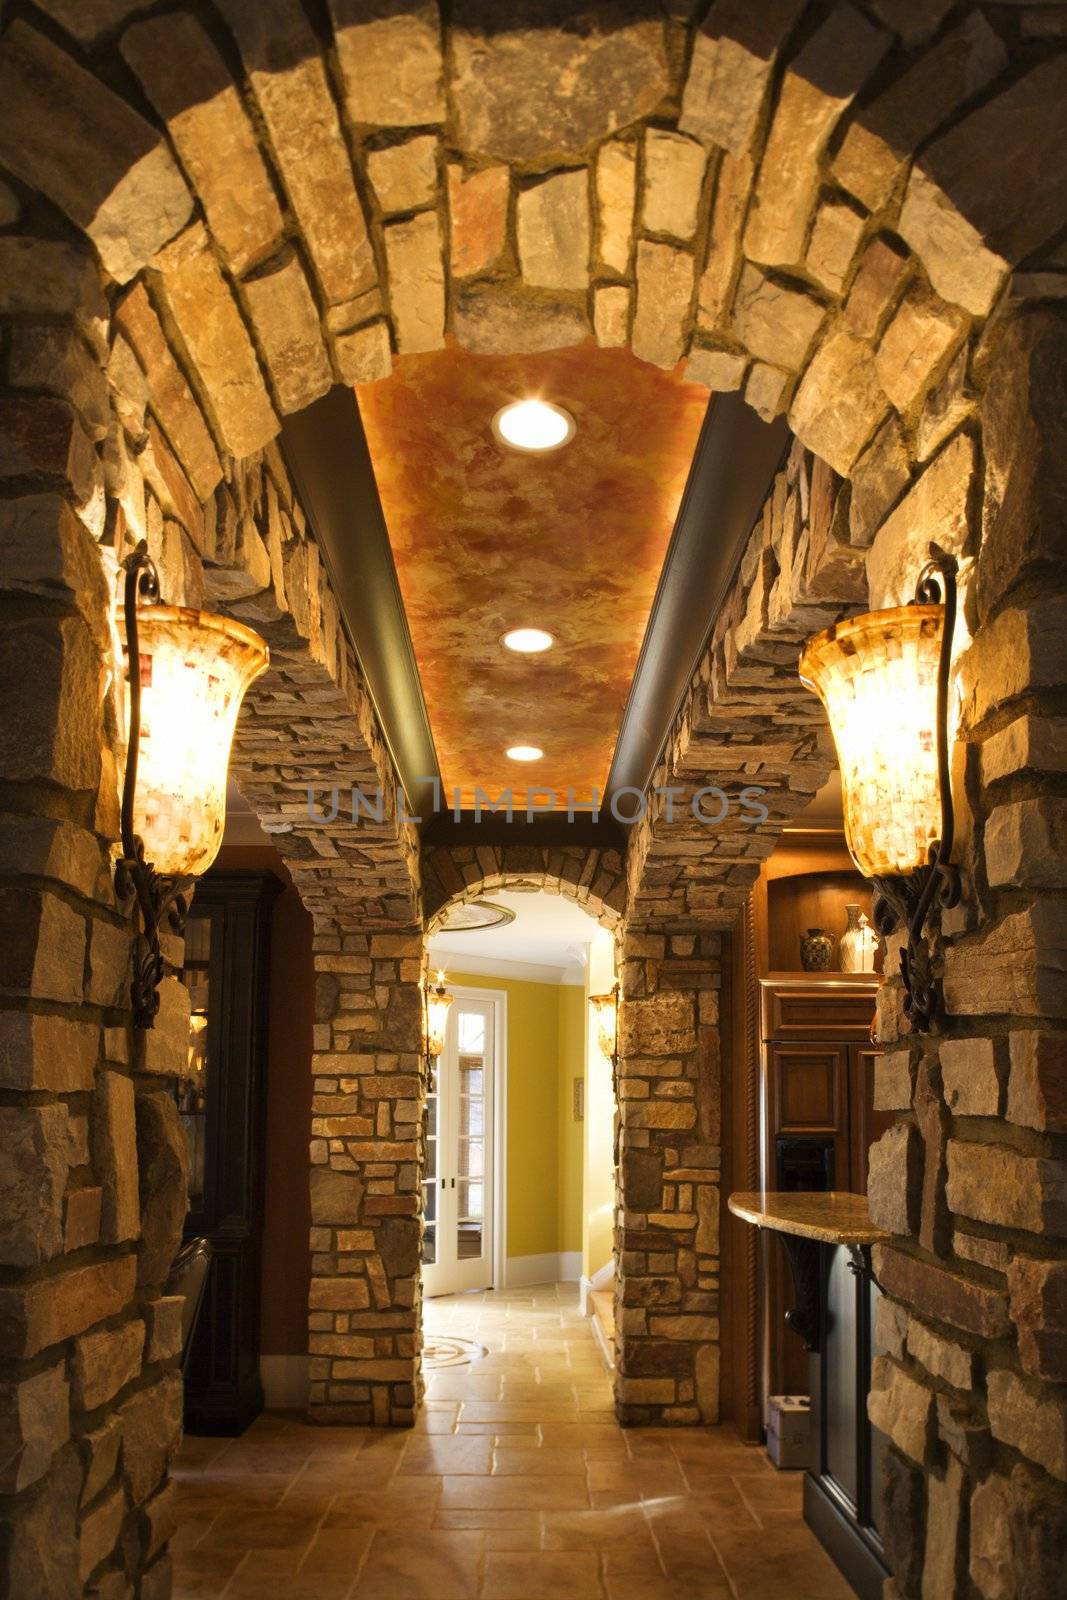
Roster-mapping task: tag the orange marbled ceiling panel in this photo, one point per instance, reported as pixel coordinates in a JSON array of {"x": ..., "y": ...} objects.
[{"x": 486, "y": 539}]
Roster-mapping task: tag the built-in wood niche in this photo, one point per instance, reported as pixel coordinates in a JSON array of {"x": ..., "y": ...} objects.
[{"x": 808, "y": 882}]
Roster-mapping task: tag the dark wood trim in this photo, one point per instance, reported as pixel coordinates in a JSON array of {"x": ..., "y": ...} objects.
[
  {"x": 223, "y": 1391},
  {"x": 733, "y": 468},
  {"x": 326, "y": 452},
  {"x": 550, "y": 828}
]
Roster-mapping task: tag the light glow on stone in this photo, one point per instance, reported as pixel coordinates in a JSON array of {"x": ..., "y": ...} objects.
[{"x": 524, "y": 752}]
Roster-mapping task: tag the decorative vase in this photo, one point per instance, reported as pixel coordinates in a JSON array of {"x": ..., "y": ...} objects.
[
  {"x": 816, "y": 950},
  {"x": 859, "y": 943}
]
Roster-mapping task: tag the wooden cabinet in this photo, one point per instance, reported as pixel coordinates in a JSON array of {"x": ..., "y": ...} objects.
[
  {"x": 818, "y": 1025},
  {"x": 832, "y": 1005},
  {"x": 818, "y": 1121},
  {"x": 222, "y": 1102}
]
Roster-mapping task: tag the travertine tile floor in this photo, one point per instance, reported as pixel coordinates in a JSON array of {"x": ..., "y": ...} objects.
[{"x": 517, "y": 1484}]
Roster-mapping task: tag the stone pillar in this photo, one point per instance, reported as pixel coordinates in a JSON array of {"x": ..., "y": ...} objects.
[
  {"x": 92, "y": 1172},
  {"x": 972, "y": 1386},
  {"x": 366, "y": 1168},
  {"x": 667, "y": 1223}
]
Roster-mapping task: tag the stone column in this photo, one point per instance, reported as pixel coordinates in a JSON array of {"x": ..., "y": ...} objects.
[
  {"x": 667, "y": 1222},
  {"x": 972, "y": 1387},
  {"x": 92, "y": 1173},
  {"x": 366, "y": 1169}
]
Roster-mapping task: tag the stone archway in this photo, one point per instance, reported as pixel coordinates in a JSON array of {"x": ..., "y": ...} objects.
[
  {"x": 777, "y": 231},
  {"x": 840, "y": 206},
  {"x": 592, "y": 877}
]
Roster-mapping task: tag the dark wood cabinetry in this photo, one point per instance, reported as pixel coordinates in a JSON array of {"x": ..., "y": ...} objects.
[
  {"x": 800, "y": 1069},
  {"x": 222, "y": 1103},
  {"x": 818, "y": 1120}
]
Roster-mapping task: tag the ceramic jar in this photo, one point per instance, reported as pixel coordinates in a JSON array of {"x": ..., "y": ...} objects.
[{"x": 816, "y": 950}]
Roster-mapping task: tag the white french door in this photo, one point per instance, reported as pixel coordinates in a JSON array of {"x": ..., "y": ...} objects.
[{"x": 457, "y": 1186}]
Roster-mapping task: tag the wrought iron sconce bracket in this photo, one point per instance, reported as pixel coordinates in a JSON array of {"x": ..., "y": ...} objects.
[
  {"x": 159, "y": 900},
  {"x": 916, "y": 900}
]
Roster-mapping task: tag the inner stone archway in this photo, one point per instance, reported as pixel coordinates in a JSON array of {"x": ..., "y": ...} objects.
[{"x": 668, "y": 1133}]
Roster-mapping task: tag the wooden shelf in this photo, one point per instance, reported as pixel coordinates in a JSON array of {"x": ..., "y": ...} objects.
[{"x": 797, "y": 975}]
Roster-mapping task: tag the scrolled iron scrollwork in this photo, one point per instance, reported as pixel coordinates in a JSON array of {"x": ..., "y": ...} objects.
[{"x": 911, "y": 901}]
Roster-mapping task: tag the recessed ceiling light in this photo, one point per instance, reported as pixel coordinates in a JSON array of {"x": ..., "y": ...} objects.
[
  {"x": 524, "y": 752},
  {"x": 528, "y": 641},
  {"x": 535, "y": 426}
]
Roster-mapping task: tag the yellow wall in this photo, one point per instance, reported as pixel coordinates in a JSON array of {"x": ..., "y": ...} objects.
[
  {"x": 599, "y": 1163},
  {"x": 571, "y": 1059},
  {"x": 544, "y": 1145}
]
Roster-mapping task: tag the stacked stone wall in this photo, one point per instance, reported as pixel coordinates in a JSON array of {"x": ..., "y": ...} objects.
[
  {"x": 667, "y": 1223},
  {"x": 972, "y": 1385},
  {"x": 92, "y": 1158}
]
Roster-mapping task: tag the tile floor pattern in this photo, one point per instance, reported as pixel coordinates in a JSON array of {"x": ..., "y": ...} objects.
[{"x": 516, "y": 1484}]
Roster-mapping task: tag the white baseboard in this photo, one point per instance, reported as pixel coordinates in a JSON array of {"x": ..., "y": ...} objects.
[
  {"x": 605, "y": 1349},
  {"x": 601, "y": 1279},
  {"x": 555, "y": 1266},
  {"x": 285, "y": 1382}
]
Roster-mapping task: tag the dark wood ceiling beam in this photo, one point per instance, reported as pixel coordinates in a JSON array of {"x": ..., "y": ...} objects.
[
  {"x": 325, "y": 449},
  {"x": 736, "y": 459}
]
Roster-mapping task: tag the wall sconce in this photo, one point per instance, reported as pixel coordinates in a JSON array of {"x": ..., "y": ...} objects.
[
  {"x": 606, "y": 1010},
  {"x": 438, "y": 1001},
  {"x": 883, "y": 678},
  {"x": 187, "y": 673}
]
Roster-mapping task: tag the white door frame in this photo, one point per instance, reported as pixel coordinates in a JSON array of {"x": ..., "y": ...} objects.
[{"x": 498, "y": 1222}]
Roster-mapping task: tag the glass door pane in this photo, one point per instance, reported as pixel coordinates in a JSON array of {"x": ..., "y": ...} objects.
[
  {"x": 472, "y": 1028},
  {"x": 457, "y": 1180},
  {"x": 470, "y": 1162},
  {"x": 430, "y": 1171}
]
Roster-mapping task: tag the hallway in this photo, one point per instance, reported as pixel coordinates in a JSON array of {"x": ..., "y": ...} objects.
[{"x": 515, "y": 1484}]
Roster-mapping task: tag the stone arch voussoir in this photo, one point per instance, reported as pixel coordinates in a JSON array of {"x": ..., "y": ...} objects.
[{"x": 593, "y": 878}]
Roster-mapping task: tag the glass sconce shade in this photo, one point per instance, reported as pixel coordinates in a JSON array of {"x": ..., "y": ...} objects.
[
  {"x": 438, "y": 1001},
  {"x": 877, "y": 676},
  {"x": 195, "y": 670},
  {"x": 606, "y": 1010}
]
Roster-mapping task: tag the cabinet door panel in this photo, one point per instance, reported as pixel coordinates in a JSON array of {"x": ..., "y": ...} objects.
[
  {"x": 809, "y": 1088},
  {"x": 836, "y": 1008}
]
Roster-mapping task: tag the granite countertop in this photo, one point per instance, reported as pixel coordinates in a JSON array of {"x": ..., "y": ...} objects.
[{"x": 836, "y": 1217}]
